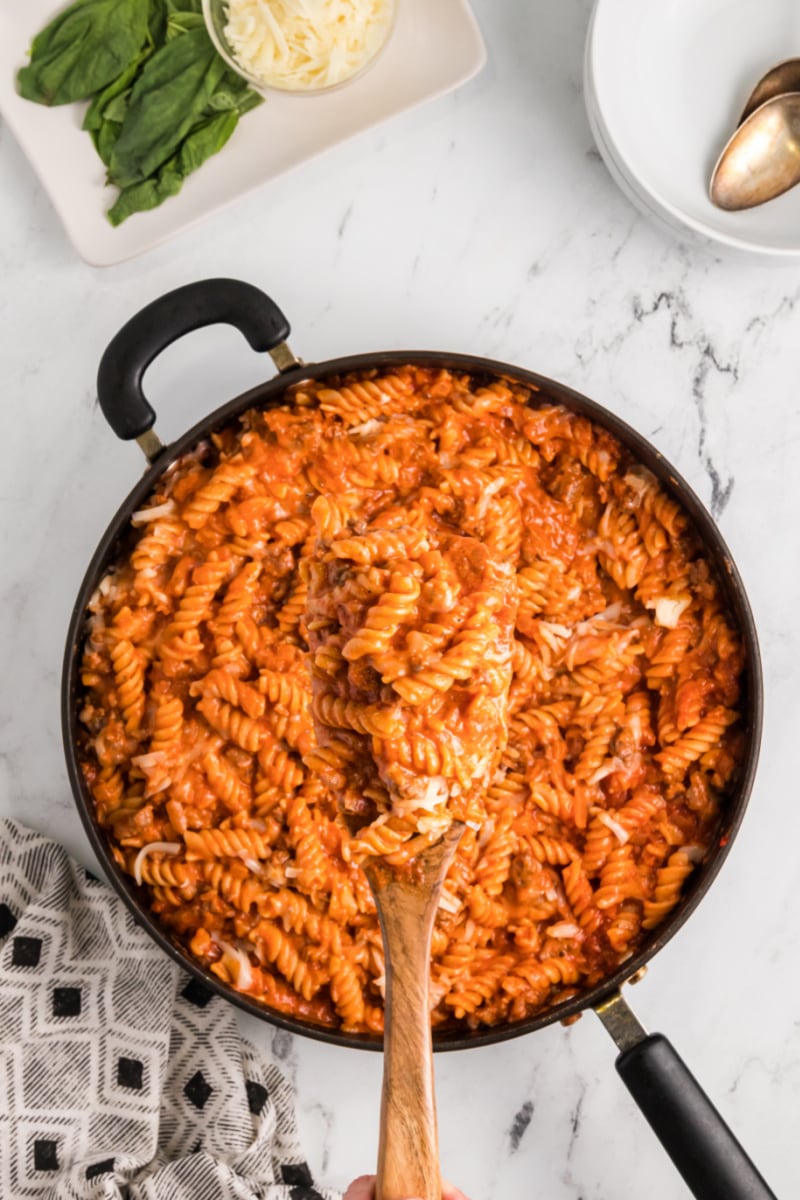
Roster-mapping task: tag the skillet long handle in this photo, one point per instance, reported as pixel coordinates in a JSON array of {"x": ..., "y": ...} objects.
[{"x": 710, "y": 1158}]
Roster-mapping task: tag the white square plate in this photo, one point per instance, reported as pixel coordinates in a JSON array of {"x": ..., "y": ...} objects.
[{"x": 434, "y": 48}]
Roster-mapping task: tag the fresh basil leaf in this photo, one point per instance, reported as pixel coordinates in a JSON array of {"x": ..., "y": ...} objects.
[
  {"x": 186, "y": 6},
  {"x": 234, "y": 94},
  {"x": 157, "y": 21},
  {"x": 117, "y": 109},
  {"x": 201, "y": 143},
  {"x": 105, "y": 139},
  {"x": 249, "y": 100},
  {"x": 183, "y": 22},
  {"x": 150, "y": 193},
  {"x": 96, "y": 110},
  {"x": 206, "y": 140},
  {"x": 224, "y": 100},
  {"x": 228, "y": 93},
  {"x": 171, "y": 93},
  {"x": 85, "y": 48}
]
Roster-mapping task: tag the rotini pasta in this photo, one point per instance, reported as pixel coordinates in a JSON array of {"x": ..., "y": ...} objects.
[
  {"x": 474, "y": 589},
  {"x": 410, "y": 639}
]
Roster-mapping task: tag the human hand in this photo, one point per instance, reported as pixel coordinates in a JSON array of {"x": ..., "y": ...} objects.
[{"x": 363, "y": 1188}]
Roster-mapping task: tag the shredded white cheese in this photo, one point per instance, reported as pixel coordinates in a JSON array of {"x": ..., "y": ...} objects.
[
  {"x": 608, "y": 767},
  {"x": 668, "y": 612},
  {"x": 449, "y": 902},
  {"x": 609, "y": 616},
  {"x": 367, "y": 428},
  {"x": 164, "y": 847},
  {"x": 148, "y": 760},
  {"x": 237, "y": 961},
  {"x": 434, "y": 824},
  {"x": 429, "y": 796},
  {"x": 143, "y": 515},
  {"x": 304, "y": 45},
  {"x": 618, "y": 830},
  {"x": 564, "y": 929}
]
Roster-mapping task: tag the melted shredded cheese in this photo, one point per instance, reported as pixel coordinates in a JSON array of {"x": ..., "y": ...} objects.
[
  {"x": 618, "y": 830},
  {"x": 144, "y": 515},
  {"x": 668, "y": 612},
  {"x": 449, "y": 902},
  {"x": 164, "y": 847},
  {"x": 564, "y": 929},
  {"x": 237, "y": 962},
  {"x": 303, "y": 45}
]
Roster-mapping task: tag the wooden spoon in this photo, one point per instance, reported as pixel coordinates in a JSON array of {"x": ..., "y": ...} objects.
[
  {"x": 365, "y": 710},
  {"x": 407, "y": 899}
]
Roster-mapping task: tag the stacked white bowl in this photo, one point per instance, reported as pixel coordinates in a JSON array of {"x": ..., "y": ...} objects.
[{"x": 664, "y": 86}]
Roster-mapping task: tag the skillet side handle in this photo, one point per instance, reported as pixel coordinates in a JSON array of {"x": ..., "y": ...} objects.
[
  {"x": 705, "y": 1151},
  {"x": 159, "y": 324}
]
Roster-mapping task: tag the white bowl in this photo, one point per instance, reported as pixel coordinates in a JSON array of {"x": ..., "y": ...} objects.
[{"x": 665, "y": 85}]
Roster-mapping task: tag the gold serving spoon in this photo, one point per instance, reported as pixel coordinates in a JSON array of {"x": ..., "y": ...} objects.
[
  {"x": 783, "y": 78},
  {"x": 762, "y": 158}
]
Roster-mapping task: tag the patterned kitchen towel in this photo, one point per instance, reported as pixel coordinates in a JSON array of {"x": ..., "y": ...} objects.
[{"x": 120, "y": 1077}]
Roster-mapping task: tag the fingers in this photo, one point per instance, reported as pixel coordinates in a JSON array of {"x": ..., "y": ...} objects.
[
  {"x": 449, "y": 1192},
  {"x": 362, "y": 1188}
]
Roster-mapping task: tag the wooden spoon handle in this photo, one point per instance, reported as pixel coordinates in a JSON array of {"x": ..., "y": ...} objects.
[{"x": 408, "y": 1150}]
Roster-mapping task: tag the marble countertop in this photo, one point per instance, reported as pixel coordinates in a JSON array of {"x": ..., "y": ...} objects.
[{"x": 484, "y": 223}]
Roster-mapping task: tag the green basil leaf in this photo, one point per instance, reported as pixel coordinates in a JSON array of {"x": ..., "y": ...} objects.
[
  {"x": 140, "y": 197},
  {"x": 186, "y": 6},
  {"x": 117, "y": 109},
  {"x": 201, "y": 143},
  {"x": 105, "y": 139},
  {"x": 183, "y": 22},
  {"x": 96, "y": 110},
  {"x": 224, "y": 100},
  {"x": 157, "y": 21},
  {"x": 248, "y": 101},
  {"x": 85, "y": 48},
  {"x": 171, "y": 93},
  {"x": 206, "y": 140},
  {"x": 234, "y": 94}
]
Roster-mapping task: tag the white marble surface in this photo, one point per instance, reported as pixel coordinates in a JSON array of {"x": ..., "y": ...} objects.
[{"x": 486, "y": 223}]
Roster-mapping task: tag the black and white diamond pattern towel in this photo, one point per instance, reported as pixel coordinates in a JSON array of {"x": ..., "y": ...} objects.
[{"x": 119, "y": 1076}]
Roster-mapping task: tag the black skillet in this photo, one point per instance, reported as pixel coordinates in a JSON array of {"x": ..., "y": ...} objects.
[{"x": 705, "y": 1151}]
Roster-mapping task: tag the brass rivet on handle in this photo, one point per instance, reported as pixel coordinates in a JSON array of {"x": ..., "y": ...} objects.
[
  {"x": 150, "y": 444},
  {"x": 284, "y": 357},
  {"x": 638, "y": 976}
]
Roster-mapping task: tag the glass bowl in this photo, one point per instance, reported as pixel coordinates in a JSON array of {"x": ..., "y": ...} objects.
[{"x": 215, "y": 13}]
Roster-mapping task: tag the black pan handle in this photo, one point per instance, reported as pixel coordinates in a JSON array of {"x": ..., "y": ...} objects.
[
  {"x": 206, "y": 302},
  {"x": 711, "y": 1160}
]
